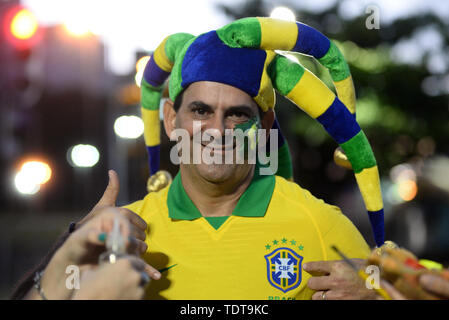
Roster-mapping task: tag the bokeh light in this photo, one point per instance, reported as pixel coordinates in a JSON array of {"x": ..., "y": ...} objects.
[
  {"x": 407, "y": 190},
  {"x": 38, "y": 171},
  {"x": 402, "y": 172},
  {"x": 283, "y": 13},
  {"x": 128, "y": 127},
  {"x": 31, "y": 176},
  {"x": 77, "y": 28},
  {"x": 426, "y": 146},
  {"x": 24, "y": 25},
  {"x": 404, "y": 186},
  {"x": 141, "y": 63},
  {"x": 24, "y": 185},
  {"x": 140, "y": 67},
  {"x": 84, "y": 155}
]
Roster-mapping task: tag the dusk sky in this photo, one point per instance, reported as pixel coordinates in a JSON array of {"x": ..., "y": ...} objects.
[{"x": 127, "y": 26}]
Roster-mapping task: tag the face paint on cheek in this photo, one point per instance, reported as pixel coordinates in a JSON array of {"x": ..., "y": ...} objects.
[{"x": 246, "y": 135}]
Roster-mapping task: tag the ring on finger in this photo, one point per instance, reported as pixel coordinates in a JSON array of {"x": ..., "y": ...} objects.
[{"x": 323, "y": 295}]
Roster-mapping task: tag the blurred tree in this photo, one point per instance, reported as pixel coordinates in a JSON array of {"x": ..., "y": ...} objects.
[{"x": 398, "y": 103}]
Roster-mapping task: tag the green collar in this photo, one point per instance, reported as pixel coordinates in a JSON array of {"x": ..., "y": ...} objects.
[{"x": 253, "y": 203}]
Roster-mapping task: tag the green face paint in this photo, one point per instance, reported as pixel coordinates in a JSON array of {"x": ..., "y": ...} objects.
[{"x": 249, "y": 130}]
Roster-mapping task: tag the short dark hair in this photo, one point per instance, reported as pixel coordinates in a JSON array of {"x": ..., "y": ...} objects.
[{"x": 178, "y": 101}]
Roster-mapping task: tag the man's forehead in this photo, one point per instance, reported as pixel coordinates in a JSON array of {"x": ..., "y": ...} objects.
[{"x": 217, "y": 94}]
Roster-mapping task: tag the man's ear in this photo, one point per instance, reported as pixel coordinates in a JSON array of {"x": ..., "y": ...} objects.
[
  {"x": 268, "y": 120},
  {"x": 169, "y": 117}
]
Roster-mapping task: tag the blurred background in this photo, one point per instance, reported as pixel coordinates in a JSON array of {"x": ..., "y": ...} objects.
[{"x": 69, "y": 102}]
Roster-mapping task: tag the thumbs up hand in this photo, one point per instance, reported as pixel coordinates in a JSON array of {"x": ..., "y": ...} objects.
[{"x": 107, "y": 203}]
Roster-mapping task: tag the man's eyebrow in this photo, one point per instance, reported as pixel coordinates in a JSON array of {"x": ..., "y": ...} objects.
[
  {"x": 241, "y": 108},
  {"x": 201, "y": 104},
  {"x": 237, "y": 108}
]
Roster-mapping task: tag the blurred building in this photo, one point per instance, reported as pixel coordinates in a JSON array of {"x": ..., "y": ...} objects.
[{"x": 53, "y": 95}]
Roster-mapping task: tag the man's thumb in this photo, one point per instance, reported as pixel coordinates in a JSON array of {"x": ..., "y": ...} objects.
[{"x": 110, "y": 194}]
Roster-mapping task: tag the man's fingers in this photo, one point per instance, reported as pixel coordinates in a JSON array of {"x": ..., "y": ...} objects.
[
  {"x": 392, "y": 291},
  {"x": 435, "y": 284},
  {"x": 143, "y": 247},
  {"x": 134, "y": 219},
  {"x": 152, "y": 272},
  {"x": 136, "y": 246},
  {"x": 110, "y": 194},
  {"x": 319, "y": 283},
  {"x": 323, "y": 295},
  {"x": 96, "y": 237},
  {"x": 318, "y": 267},
  {"x": 138, "y": 233},
  {"x": 140, "y": 265}
]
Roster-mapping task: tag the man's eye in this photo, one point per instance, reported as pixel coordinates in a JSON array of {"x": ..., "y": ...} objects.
[
  {"x": 200, "y": 111},
  {"x": 239, "y": 115}
]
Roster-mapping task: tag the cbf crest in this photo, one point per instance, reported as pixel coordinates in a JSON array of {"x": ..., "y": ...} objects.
[{"x": 284, "y": 269}]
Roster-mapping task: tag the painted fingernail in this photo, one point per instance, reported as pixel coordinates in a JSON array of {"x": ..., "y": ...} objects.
[{"x": 102, "y": 237}]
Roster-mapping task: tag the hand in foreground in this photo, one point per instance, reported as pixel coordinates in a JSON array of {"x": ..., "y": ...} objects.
[
  {"x": 124, "y": 280},
  {"x": 107, "y": 201},
  {"x": 335, "y": 280},
  {"x": 85, "y": 245},
  {"x": 433, "y": 284},
  {"x": 82, "y": 249}
]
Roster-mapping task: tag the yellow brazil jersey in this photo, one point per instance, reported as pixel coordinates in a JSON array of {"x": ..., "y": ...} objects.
[{"x": 256, "y": 253}]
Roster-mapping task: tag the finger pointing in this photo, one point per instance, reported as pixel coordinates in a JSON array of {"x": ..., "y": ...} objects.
[{"x": 318, "y": 267}]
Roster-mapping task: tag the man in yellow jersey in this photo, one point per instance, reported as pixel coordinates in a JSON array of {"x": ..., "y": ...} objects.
[
  {"x": 230, "y": 230},
  {"x": 227, "y": 232}
]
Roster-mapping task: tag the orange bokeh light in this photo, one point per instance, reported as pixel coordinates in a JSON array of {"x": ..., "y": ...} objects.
[
  {"x": 21, "y": 28},
  {"x": 407, "y": 190},
  {"x": 24, "y": 25}
]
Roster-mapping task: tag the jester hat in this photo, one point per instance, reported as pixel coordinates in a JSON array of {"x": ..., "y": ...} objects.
[{"x": 241, "y": 54}]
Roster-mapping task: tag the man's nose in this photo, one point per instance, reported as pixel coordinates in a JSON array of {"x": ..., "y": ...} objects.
[{"x": 218, "y": 125}]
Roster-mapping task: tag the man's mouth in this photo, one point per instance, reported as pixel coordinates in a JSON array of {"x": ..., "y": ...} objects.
[{"x": 216, "y": 147}]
